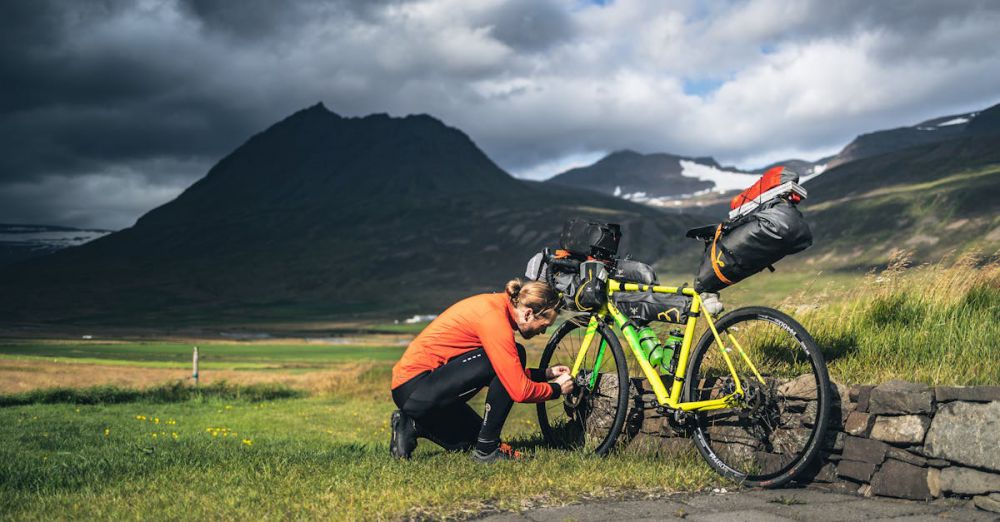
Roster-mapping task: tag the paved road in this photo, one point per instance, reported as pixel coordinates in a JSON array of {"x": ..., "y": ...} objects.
[{"x": 798, "y": 504}]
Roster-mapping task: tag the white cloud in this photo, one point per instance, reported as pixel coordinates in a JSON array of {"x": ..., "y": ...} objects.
[{"x": 538, "y": 84}]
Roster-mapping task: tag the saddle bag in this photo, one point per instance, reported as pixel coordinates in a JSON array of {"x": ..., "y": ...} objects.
[
  {"x": 645, "y": 307},
  {"x": 743, "y": 247}
]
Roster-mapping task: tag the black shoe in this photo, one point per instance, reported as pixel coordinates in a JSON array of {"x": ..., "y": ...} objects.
[
  {"x": 404, "y": 435},
  {"x": 503, "y": 452}
]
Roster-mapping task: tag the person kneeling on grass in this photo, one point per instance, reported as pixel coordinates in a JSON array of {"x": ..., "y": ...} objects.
[{"x": 469, "y": 346}]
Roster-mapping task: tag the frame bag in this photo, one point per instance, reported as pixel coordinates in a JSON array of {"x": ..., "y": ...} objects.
[{"x": 645, "y": 307}]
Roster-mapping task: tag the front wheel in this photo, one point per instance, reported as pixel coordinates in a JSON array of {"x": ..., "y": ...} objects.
[
  {"x": 591, "y": 417},
  {"x": 775, "y": 429}
]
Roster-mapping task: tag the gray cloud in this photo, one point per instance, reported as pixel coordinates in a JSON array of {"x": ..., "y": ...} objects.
[{"x": 147, "y": 95}]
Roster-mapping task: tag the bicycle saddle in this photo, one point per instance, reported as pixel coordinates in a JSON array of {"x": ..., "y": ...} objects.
[{"x": 705, "y": 233}]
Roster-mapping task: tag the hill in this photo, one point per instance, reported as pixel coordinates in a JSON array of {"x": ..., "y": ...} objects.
[
  {"x": 324, "y": 216},
  {"x": 930, "y": 199}
]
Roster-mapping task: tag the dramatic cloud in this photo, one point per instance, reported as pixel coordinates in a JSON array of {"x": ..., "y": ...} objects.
[{"x": 111, "y": 108}]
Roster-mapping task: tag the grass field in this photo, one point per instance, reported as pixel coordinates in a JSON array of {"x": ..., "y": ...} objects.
[{"x": 285, "y": 428}]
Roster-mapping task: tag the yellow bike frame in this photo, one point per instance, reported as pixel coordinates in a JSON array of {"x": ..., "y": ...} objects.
[{"x": 671, "y": 399}]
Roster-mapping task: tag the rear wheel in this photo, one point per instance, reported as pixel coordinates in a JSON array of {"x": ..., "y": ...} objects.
[
  {"x": 775, "y": 430},
  {"x": 591, "y": 417}
]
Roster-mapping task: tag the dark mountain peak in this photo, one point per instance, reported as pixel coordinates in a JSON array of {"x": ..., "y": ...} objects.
[
  {"x": 623, "y": 153},
  {"x": 315, "y": 161},
  {"x": 986, "y": 122}
]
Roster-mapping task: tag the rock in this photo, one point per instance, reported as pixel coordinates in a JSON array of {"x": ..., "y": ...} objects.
[
  {"x": 901, "y": 480},
  {"x": 967, "y": 433},
  {"x": 863, "y": 398},
  {"x": 899, "y": 397},
  {"x": 865, "y": 450},
  {"x": 908, "y": 429},
  {"x": 653, "y": 424},
  {"x": 965, "y": 481},
  {"x": 967, "y": 393},
  {"x": 840, "y": 406},
  {"x": 859, "y": 424},
  {"x": 934, "y": 481},
  {"x": 801, "y": 387},
  {"x": 988, "y": 503},
  {"x": 905, "y": 456},
  {"x": 855, "y": 470},
  {"x": 790, "y": 441},
  {"x": 938, "y": 463},
  {"x": 826, "y": 473},
  {"x": 865, "y": 490}
]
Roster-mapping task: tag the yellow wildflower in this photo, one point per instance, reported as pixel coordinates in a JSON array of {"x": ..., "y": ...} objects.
[
  {"x": 107, "y": 432},
  {"x": 248, "y": 442}
]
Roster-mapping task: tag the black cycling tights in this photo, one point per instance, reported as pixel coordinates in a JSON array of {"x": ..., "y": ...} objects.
[{"x": 436, "y": 400}]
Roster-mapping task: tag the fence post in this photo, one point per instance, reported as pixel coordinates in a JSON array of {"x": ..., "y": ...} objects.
[{"x": 194, "y": 364}]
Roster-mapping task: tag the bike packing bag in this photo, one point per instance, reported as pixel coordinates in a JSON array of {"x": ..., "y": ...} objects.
[
  {"x": 632, "y": 271},
  {"x": 566, "y": 285},
  {"x": 537, "y": 269},
  {"x": 774, "y": 177},
  {"x": 645, "y": 307},
  {"x": 592, "y": 291},
  {"x": 589, "y": 238},
  {"x": 751, "y": 243}
]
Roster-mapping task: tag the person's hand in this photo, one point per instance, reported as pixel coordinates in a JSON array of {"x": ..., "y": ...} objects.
[
  {"x": 556, "y": 371},
  {"x": 565, "y": 382}
]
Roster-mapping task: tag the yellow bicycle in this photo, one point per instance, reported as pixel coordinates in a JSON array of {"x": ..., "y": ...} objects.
[{"x": 754, "y": 391}]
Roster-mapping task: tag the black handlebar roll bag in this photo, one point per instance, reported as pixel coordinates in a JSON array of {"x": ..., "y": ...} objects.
[
  {"x": 751, "y": 243},
  {"x": 590, "y": 238}
]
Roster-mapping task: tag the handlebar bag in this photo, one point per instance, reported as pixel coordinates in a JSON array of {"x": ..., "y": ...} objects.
[
  {"x": 632, "y": 271},
  {"x": 590, "y": 238},
  {"x": 592, "y": 290}
]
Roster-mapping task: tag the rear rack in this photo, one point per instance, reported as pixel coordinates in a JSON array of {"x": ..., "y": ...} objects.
[{"x": 789, "y": 187}]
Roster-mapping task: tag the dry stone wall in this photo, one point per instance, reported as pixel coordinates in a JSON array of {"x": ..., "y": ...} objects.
[{"x": 897, "y": 439}]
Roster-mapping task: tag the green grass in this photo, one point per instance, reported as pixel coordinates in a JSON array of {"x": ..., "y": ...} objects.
[
  {"x": 211, "y": 355},
  {"x": 938, "y": 324},
  {"x": 301, "y": 458}
]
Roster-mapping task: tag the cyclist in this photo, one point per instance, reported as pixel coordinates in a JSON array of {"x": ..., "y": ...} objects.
[{"x": 469, "y": 346}]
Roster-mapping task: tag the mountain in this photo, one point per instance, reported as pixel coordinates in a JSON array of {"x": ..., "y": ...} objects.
[
  {"x": 931, "y": 199},
  {"x": 652, "y": 178},
  {"x": 884, "y": 141},
  {"x": 324, "y": 216},
  {"x": 22, "y": 241}
]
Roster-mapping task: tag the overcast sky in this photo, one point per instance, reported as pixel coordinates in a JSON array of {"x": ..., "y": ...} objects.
[{"x": 108, "y": 108}]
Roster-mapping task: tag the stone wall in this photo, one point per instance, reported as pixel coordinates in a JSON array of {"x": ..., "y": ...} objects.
[{"x": 896, "y": 439}]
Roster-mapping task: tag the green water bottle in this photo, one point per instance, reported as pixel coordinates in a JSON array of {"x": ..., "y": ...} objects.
[{"x": 650, "y": 346}]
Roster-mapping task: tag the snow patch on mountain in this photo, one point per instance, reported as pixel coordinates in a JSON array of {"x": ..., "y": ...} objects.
[
  {"x": 724, "y": 180},
  {"x": 955, "y": 121}
]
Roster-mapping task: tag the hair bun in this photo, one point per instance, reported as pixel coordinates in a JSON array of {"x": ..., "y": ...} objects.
[{"x": 513, "y": 289}]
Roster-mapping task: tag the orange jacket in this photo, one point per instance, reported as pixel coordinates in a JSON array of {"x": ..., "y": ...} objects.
[{"x": 486, "y": 321}]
